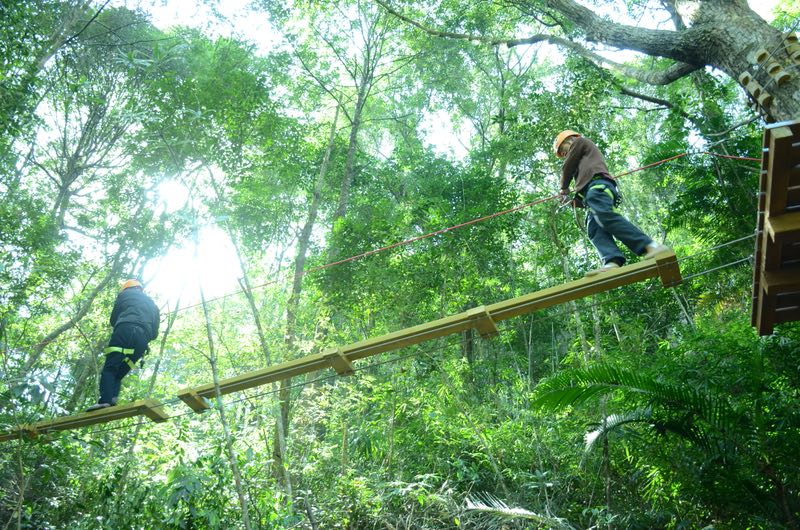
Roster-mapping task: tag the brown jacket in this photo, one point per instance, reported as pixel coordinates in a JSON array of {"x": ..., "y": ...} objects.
[{"x": 583, "y": 162}]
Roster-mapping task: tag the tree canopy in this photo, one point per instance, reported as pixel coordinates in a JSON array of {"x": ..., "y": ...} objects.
[{"x": 376, "y": 166}]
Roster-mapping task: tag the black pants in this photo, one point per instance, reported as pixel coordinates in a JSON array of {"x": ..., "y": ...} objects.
[
  {"x": 128, "y": 337},
  {"x": 604, "y": 223}
]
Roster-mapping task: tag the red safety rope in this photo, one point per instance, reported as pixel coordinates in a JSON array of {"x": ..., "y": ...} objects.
[
  {"x": 733, "y": 157},
  {"x": 461, "y": 225},
  {"x": 436, "y": 233}
]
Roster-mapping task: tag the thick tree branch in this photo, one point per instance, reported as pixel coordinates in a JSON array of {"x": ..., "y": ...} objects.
[
  {"x": 650, "y": 77},
  {"x": 688, "y": 46},
  {"x": 657, "y": 101},
  {"x": 672, "y": 9}
]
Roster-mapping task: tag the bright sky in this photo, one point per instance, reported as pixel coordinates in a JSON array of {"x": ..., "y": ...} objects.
[{"x": 179, "y": 273}]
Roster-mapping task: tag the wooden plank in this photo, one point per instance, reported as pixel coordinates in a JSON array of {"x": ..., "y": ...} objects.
[
  {"x": 789, "y": 314},
  {"x": 668, "y": 269},
  {"x": 154, "y": 410},
  {"x": 264, "y": 376},
  {"x": 790, "y": 254},
  {"x": 783, "y": 228},
  {"x": 195, "y": 402},
  {"x": 581, "y": 288},
  {"x": 793, "y": 198},
  {"x": 409, "y": 336},
  {"x": 766, "y": 314},
  {"x": 784, "y": 316},
  {"x": 757, "y": 313},
  {"x": 770, "y": 254},
  {"x": 20, "y": 432},
  {"x": 788, "y": 299},
  {"x": 777, "y": 258},
  {"x": 755, "y": 294},
  {"x": 148, "y": 407},
  {"x": 779, "y": 282},
  {"x": 794, "y": 173}
]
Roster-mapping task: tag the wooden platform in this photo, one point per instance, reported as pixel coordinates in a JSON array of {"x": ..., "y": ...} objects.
[
  {"x": 776, "y": 270},
  {"x": 482, "y": 318},
  {"x": 146, "y": 407}
]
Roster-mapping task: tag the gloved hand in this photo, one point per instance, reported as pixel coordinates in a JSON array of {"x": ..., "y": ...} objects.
[{"x": 564, "y": 197}]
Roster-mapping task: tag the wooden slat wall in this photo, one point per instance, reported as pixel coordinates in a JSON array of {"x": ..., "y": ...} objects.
[{"x": 776, "y": 271}]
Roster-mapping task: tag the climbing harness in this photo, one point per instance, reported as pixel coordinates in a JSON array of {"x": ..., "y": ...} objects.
[{"x": 128, "y": 353}]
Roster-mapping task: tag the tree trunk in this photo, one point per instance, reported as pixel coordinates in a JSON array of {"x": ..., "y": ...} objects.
[
  {"x": 364, "y": 78},
  {"x": 212, "y": 359},
  {"x": 349, "y": 168},
  {"x": 567, "y": 273},
  {"x": 282, "y": 422},
  {"x": 83, "y": 309}
]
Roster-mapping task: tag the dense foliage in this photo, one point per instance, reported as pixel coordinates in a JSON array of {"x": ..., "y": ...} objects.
[{"x": 123, "y": 144}]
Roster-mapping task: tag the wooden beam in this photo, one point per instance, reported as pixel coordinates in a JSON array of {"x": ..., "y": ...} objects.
[
  {"x": 483, "y": 322},
  {"x": 154, "y": 410},
  {"x": 665, "y": 264},
  {"x": 338, "y": 361},
  {"x": 783, "y": 228},
  {"x": 147, "y": 407},
  {"x": 195, "y": 402},
  {"x": 780, "y": 282},
  {"x": 776, "y": 271},
  {"x": 193, "y": 396},
  {"x": 668, "y": 269}
]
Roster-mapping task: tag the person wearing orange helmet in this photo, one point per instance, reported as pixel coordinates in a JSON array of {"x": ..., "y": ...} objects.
[
  {"x": 596, "y": 190},
  {"x": 135, "y": 319}
]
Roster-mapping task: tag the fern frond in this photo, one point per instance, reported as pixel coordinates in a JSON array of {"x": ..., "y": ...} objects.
[
  {"x": 490, "y": 505},
  {"x": 575, "y": 387},
  {"x": 614, "y": 421}
]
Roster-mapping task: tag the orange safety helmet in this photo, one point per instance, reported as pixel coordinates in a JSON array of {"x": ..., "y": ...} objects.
[
  {"x": 563, "y": 135},
  {"x": 127, "y": 284}
]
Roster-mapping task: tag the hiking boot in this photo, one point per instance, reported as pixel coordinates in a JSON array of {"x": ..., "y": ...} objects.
[
  {"x": 98, "y": 406},
  {"x": 610, "y": 266},
  {"x": 653, "y": 250}
]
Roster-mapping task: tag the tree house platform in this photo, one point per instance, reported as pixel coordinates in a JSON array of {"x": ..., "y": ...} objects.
[
  {"x": 776, "y": 268},
  {"x": 146, "y": 407},
  {"x": 482, "y": 318}
]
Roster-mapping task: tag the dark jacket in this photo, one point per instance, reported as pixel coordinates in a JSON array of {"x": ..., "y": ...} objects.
[
  {"x": 134, "y": 307},
  {"x": 582, "y": 163}
]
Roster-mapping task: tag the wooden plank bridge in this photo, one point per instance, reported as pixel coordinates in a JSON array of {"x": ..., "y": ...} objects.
[{"x": 341, "y": 359}]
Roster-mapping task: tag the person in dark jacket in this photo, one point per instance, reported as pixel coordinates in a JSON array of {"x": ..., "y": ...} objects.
[
  {"x": 135, "y": 318},
  {"x": 596, "y": 190}
]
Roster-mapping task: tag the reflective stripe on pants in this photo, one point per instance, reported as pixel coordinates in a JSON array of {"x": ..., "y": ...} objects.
[{"x": 127, "y": 345}]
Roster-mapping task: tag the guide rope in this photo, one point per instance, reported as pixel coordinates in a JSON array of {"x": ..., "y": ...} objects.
[{"x": 464, "y": 224}]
